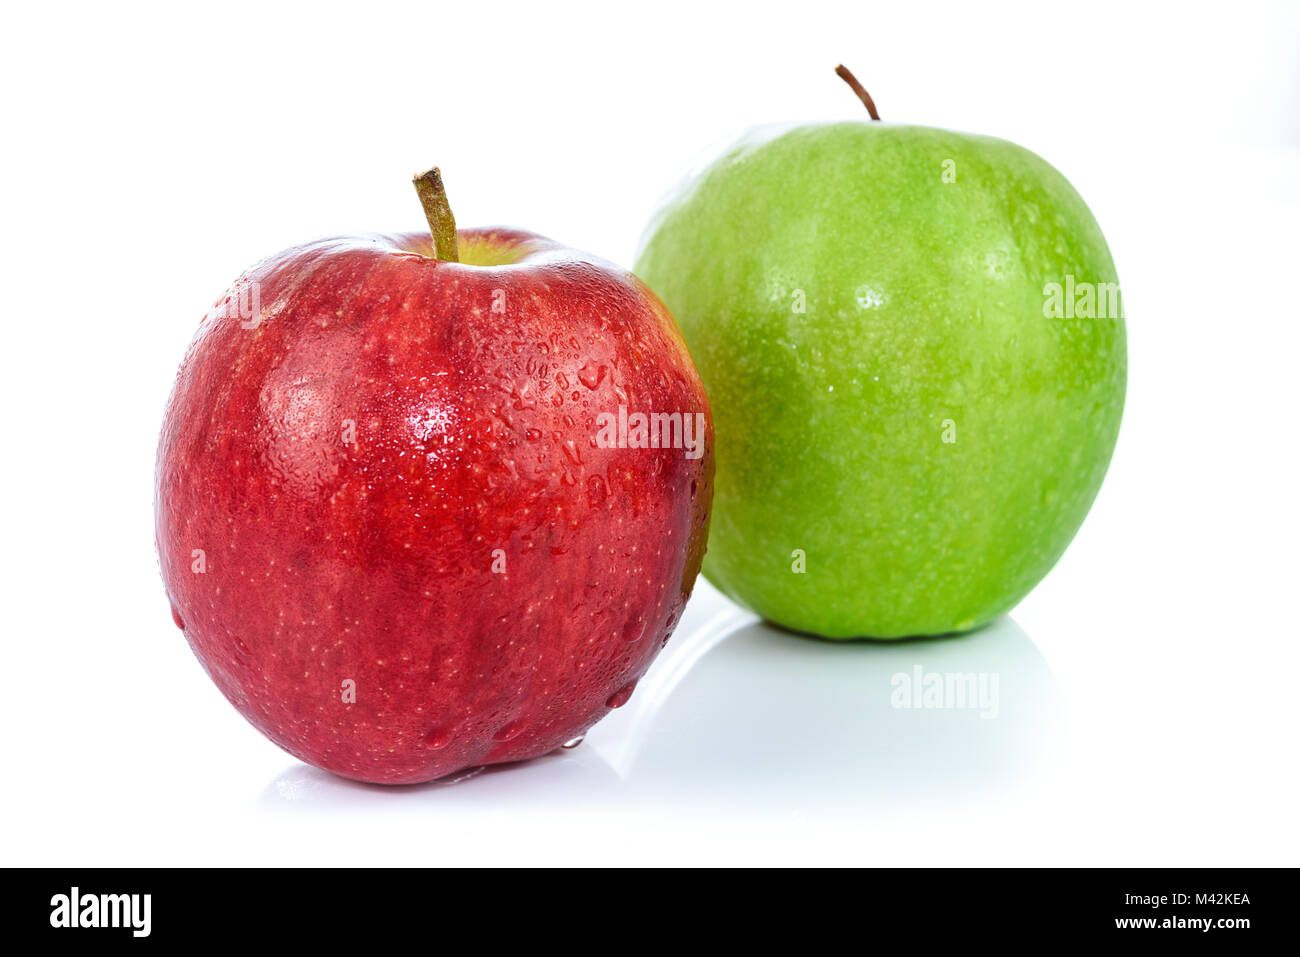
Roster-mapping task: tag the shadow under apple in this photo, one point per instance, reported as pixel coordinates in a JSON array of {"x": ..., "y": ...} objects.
[
  {"x": 764, "y": 719},
  {"x": 740, "y": 714}
]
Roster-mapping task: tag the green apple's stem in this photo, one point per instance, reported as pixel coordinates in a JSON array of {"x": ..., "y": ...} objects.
[
  {"x": 442, "y": 224},
  {"x": 843, "y": 73}
]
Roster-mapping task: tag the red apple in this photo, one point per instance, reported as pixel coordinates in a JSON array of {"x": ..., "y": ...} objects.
[{"x": 390, "y": 523}]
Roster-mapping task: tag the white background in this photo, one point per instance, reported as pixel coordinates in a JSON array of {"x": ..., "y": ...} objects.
[{"x": 1148, "y": 690}]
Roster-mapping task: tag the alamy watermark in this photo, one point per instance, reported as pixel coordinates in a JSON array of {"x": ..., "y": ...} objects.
[
  {"x": 654, "y": 430},
  {"x": 76, "y": 909},
  {"x": 1082, "y": 300},
  {"x": 945, "y": 690},
  {"x": 243, "y": 302}
]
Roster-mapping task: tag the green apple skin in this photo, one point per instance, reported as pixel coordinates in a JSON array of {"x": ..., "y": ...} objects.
[{"x": 909, "y": 433}]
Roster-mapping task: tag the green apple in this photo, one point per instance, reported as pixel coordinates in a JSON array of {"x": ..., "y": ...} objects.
[{"x": 914, "y": 350}]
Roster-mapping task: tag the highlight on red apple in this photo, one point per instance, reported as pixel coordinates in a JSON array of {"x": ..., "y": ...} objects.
[{"x": 426, "y": 502}]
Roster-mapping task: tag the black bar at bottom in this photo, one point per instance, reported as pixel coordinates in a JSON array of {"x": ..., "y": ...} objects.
[{"x": 374, "y": 908}]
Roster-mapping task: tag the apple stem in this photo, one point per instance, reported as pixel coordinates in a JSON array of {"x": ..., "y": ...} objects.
[
  {"x": 843, "y": 73},
  {"x": 442, "y": 224}
]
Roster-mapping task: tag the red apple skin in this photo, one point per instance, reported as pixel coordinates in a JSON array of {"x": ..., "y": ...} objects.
[{"x": 299, "y": 557}]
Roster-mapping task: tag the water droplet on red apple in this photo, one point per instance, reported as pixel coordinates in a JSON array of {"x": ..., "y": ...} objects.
[
  {"x": 621, "y": 696},
  {"x": 592, "y": 374},
  {"x": 438, "y": 738},
  {"x": 572, "y": 743},
  {"x": 509, "y": 731},
  {"x": 596, "y": 490},
  {"x": 523, "y": 395},
  {"x": 176, "y": 617},
  {"x": 633, "y": 630}
]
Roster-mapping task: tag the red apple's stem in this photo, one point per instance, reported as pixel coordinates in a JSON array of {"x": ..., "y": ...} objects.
[
  {"x": 442, "y": 224},
  {"x": 843, "y": 73}
]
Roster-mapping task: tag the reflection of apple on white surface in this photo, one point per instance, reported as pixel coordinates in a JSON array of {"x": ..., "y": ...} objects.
[
  {"x": 736, "y": 711},
  {"x": 736, "y": 715}
]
